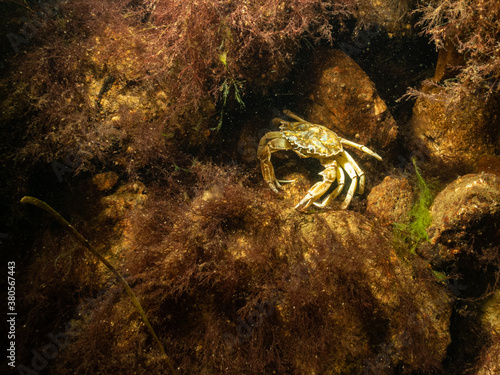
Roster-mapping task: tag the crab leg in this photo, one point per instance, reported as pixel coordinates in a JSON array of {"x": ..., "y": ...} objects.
[
  {"x": 361, "y": 148},
  {"x": 354, "y": 180},
  {"x": 293, "y": 115},
  {"x": 358, "y": 170},
  {"x": 269, "y": 143},
  {"x": 319, "y": 188},
  {"x": 334, "y": 194}
]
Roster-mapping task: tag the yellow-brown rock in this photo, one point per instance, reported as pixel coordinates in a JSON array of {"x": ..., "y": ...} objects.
[
  {"x": 464, "y": 217},
  {"x": 453, "y": 136},
  {"x": 391, "y": 200},
  {"x": 343, "y": 98},
  {"x": 488, "y": 363},
  {"x": 105, "y": 181}
]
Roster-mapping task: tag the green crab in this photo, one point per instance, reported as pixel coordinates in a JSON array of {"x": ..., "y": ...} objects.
[{"x": 314, "y": 141}]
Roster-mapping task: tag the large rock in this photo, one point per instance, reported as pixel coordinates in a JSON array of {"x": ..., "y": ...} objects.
[
  {"x": 465, "y": 213},
  {"x": 488, "y": 362},
  {"x": 452, "y": 136},
  {"x": 391, "y": 200},
  {"x": 343, "y": 98},
  {"x": 341, "y": 271},
  {"x": 237, "y": 271},
  {"x": 388, "y": 279},
  {"x": 464, "y": 242}
]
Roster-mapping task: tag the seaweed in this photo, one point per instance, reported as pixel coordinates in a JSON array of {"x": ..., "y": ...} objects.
[
  {"x": 106, "y": 79},
  {"x": 137, "y": 305},
  {"x": 415, "y": 231},
  {"x": 235, "y": 281},
  {"x": 471, "y": 29}
]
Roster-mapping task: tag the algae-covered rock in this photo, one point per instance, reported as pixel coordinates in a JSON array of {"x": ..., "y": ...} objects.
[
  {"x": 491, "y": 313},
  {"x": 229, "y": 272},
  {"x": 453, "y": 136},
  {"x": 390, "y": 14},
  {"x": 391, "y": 200},
  {"x": 366, "y": 250},
  {"x": 105, "y": 181},
  {"x": 464, "y": 213},
  {"x": 239, "y": 271},
  {"x": 488, "y": 363}
]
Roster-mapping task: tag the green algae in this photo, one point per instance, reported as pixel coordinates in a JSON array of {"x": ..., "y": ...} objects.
[{"x": 415, "y": 231}]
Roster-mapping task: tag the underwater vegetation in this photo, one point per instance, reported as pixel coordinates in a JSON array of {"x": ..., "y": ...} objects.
[
  {"x": 135, "y": 302},
  {"x": 107, "y": 81},
  {"x": 471, "y": 29},
  {"x": 140, "y": 122},
  {"x": 234, "y": 283},
  {"x": 415, "y": 231}
]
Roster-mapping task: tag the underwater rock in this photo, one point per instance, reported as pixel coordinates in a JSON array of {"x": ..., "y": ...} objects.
[
  {"x": 465, "y": 212},
  {"x": 491, "y": 312},
  {"x": 391, "y": 200},
  {"x": 389, "y": 14},
  {"x": 105, "y": 181},
  {"x": 120, "y": 204},
  {"x": 344, "y": 99},
  {"x": 449, "y": 59},
  {"x": 489, "y": 164},
  {"x": 127, "y": 102},
  {"x": 116, "y": 213},
  {"x": 328, "y": 289},
  {"x": 232, "y": 272},
  {"x": 488, "y": 363},
  {"x": 388, "y": 280},
  {"x": 452, "y": 136}
]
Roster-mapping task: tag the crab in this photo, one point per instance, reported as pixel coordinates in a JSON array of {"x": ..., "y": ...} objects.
[{"x": 314, "y": 141}]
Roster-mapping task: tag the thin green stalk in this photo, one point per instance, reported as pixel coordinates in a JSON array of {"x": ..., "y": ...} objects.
[{"x": 130, "y": 292}]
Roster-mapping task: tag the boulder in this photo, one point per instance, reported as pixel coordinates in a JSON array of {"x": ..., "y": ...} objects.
[
  {"x": 466, "y": 213},
  {"x": 488, "y": 362},
  {"x": 453, "y": 136},
  {"x": 342, "y": 97},
  {"x": 391, "y": 200}
]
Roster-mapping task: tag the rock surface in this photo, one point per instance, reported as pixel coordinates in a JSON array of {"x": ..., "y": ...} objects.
[
  {"x": 343, "y": 98},
  {"x": 388, "y": 279},
  {"x": 467, "y": 208},
  {"x": 105, "y": 181},
  {"x": 237, "y": 270},
  {"x": 391, "y": 200},
  {"x": 489, "y": 363},
  {"x": 389, "y": 14},
  {"x": 453, "y": 137}
]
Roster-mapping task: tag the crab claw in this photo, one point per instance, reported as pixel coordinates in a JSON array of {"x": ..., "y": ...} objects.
[{"x": 319, "y": 188}]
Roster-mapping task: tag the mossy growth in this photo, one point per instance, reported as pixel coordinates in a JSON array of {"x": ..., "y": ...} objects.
[
  {"x": 235, "y": 281},
  {"x": 137, "y": 305},
  {"x": 414, "y": 232}
]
